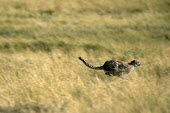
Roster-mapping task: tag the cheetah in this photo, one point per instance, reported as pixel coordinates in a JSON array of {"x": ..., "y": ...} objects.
[{"x": 114, "y": 67}]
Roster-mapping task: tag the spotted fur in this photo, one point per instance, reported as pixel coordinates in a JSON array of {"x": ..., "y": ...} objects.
[{"x": 114, "y": 67}]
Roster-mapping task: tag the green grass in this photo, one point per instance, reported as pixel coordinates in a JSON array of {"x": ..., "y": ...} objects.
[{"x": 40, "y": 41}]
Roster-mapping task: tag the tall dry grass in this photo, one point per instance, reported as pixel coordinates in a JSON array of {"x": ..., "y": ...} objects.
[
  {"x": 40, "y": 41},
  {"x": 55, "y": 82}
]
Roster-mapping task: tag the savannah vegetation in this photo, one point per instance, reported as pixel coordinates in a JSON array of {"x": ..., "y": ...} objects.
[{"x": 40, "y": 41}]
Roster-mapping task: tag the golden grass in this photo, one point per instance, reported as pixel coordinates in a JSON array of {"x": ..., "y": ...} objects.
[
  {"x": 54, "y": 79},
  {"x": 41, "y": 40}
]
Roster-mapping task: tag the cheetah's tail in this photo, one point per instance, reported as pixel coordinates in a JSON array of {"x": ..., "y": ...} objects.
[{"x": 90, "y": 66}]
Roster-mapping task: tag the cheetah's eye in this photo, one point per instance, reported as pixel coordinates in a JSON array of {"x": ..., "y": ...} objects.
[{"x": 137, "y": 64}]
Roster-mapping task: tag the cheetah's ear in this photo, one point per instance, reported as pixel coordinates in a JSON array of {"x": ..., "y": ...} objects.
[{"x": 133, "y": 60}]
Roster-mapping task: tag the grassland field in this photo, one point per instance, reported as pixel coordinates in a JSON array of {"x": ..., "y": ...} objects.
[{"x": 40, "y": 41}]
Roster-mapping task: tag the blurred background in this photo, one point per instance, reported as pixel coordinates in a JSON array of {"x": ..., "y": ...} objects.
[{"x": 40, "y": 41}]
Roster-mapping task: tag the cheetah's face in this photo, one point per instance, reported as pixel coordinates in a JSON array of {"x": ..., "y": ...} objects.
[{"x": 135, "y": 63}]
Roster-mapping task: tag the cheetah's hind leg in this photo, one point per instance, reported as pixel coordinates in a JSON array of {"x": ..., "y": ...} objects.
[{"x": 109, "y": 73}]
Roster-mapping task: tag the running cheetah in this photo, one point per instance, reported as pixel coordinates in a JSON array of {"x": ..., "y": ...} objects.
[{"x": 114, "y": 67}]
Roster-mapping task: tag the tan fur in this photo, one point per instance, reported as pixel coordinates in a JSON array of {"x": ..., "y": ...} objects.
[{"x": 114, "y": 67}]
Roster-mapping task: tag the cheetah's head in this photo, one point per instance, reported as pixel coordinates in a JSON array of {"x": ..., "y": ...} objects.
[{"x": 135, "y": 63}]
